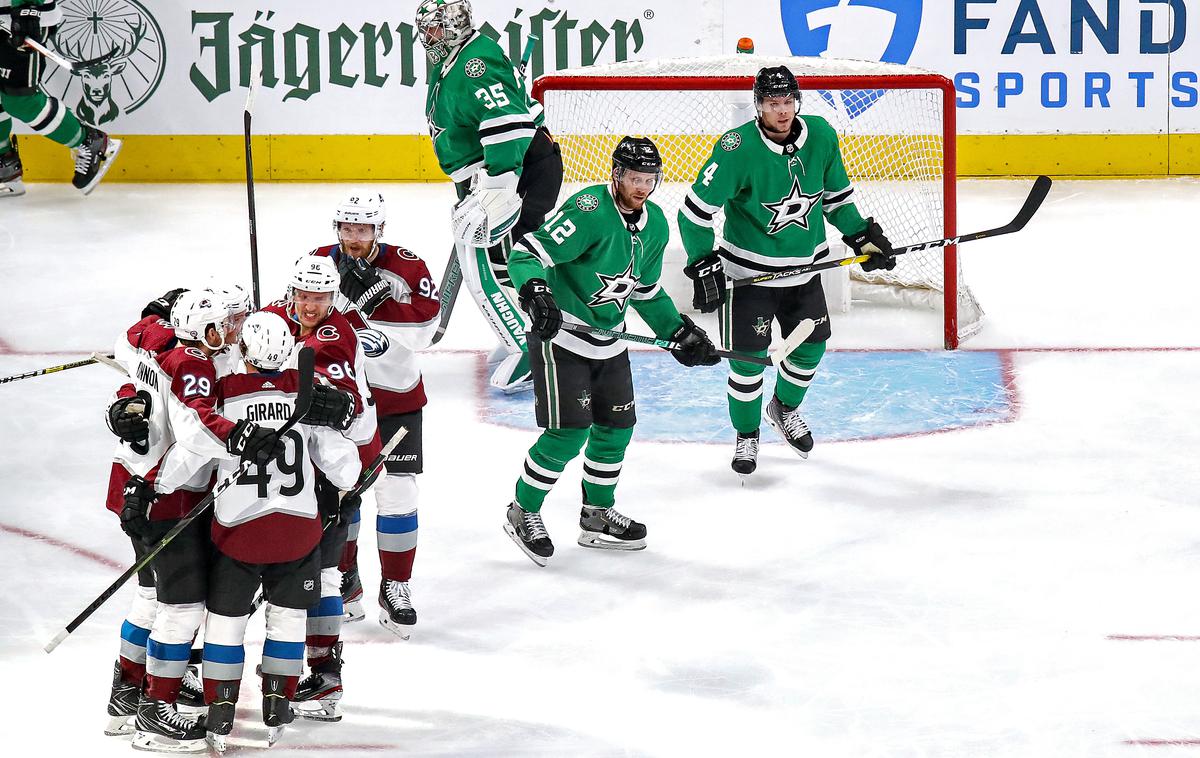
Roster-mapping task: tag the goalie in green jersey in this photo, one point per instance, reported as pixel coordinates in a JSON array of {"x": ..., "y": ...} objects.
[
  {"x": 777, "y": 178},
  {"x": 600, "y": 253}
]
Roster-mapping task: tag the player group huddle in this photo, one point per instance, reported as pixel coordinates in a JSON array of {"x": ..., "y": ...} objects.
[{"x": 212, "y": 384}]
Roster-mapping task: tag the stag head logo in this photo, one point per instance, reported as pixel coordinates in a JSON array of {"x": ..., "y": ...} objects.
[{"x": 129, "y": 42}]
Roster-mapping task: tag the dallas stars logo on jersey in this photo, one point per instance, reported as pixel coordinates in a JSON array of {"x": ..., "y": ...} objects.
[
  {"x": 793, "y": 208},
  {"x": 615, "y": 290}
]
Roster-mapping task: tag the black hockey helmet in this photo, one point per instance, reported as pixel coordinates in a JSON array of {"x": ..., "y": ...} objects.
[
  {"x": 637, "y": 154},
  {"x": 775, "y": 81}
]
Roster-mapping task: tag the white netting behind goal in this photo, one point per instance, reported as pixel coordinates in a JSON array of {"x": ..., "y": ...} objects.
[{"x": 897, "y": 140}]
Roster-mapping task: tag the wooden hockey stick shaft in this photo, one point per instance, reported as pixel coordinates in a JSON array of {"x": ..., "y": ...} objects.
[
  {"x": 303, "y": 400},
  {"x": 1033, "y": 201},
  {"x": 52, "y": 369}
]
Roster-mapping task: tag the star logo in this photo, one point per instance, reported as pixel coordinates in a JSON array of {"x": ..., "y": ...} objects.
[
  {"x": 793, "y": 208},
  {"x": 587, "y": 203},
  {"x": 585, "y": 400},
  {"x": 761, "y": 327},
  {"x": 475, "y": 68},
  {"x": 731, "y": 141},
  {"x": 615, "y": 290}
]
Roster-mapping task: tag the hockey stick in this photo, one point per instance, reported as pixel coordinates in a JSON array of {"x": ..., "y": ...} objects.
[
  {"x": 1037, "y": 194},
  {"x": 73, "y": 67},
  {"x": 664, "y": 344},
  {"x": 247, "y": 116},
  {"x": 110, "y": 361},
  {"x": 452, "y": 276},
  {"x": 52, "y": 369},
  {"x": 304, "y": 392},
  {"x": 365, "y": 480}
]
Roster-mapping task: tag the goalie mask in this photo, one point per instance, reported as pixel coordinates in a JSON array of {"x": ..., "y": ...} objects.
[
  {"x": 194, "y": 312},
  {"x": 443, "y": 25},
  {"x": 360, "y": 207},
  {"x": 266, "y": 341}
]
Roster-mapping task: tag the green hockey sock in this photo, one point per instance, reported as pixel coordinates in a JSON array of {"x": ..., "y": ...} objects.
[
  {"x": 47, "y": 116},
  {"x": 545, "y": 463},
  {"x": 745, "y": 390},
  {"x": 602, "y": 464},
  {"x": 797, "y": 371}
]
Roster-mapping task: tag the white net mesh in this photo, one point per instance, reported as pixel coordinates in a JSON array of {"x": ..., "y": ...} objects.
[{"x": 894, "y": 141}]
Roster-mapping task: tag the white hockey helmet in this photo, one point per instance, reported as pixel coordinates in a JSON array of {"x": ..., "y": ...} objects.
[
  {"x": 194, "y": 312},
  {"x": 314, "y": 273},
  {"x": 234, "y": 296},
  {"x": 452, "y": 17},
  {"x": 266, "y": 341},
  {"x": 361, "y": 206}
]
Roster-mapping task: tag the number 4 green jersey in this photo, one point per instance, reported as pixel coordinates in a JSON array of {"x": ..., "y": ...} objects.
[
  {"x": 478, "y": 111},
  {"x": 774, "y": 197},
  {"x": 597, "y": 263}
]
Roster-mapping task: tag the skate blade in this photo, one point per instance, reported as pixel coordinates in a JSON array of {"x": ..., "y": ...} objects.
[
  {"x": 604, "y": 542},
  {"x": 218, "y": 742},
  {"x": 403, "y": 631},
  {"x": 352, "y": 611},
  {"x": 771, "y": 423},
  {"x": 119, "y": 726},
  {"x": 512, "y": 533},
  {"x": 156, "y": 743},
  {"x": 110, "y": 155},
  {"x": 318, "y": 710},
  {"x": 15, "y": 188},
  {"x": 273, "y": 734}
]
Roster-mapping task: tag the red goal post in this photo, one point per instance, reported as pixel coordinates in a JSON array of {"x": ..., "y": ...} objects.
[{"x": 897, "y": 132}]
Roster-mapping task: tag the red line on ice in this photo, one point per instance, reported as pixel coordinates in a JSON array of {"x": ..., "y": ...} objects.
[
  {"x": 1154, "y": 637},
  {"x": 77, "y": 550}
]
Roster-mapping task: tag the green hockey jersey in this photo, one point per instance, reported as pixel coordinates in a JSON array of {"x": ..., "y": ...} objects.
[
  {"x": 478, "y": 110},
  {"x": 597, "y": 264},
  {"x": 774, "y": 197}
]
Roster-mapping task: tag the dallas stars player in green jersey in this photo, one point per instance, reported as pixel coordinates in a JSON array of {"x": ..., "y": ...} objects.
[
  {"x": 22, "y": 98},
  {"x": 601, "y": 252},
  {"x": 776, "y": 178},
  {"x": 489, "y": 138}
]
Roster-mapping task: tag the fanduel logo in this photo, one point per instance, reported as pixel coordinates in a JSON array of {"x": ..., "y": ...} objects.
[{"x": 882, "y": 30}]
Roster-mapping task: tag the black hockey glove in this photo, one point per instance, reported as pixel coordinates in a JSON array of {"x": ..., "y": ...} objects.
[
  {"x": 26, "y": 24},
  {"x": 536, "y": 299},
  {"x": 135, "y": 514},
  {"x": 362, "y": 284},
  {"x": 330, "y": 407},
  {"x": 335, "y": 509},
  {"x": 708, "y": 283},
  {"x": 250, "y": 441},
  {"x": 161, "y": 307},
  {"x": 695, "y": 348},
  {"x": 346, "y": 508},
  {"x": 871, "y": 241},
  {"x": 127, "y": 420}
]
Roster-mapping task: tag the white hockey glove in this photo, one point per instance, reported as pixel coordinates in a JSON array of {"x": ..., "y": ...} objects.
[{"x": 486, "y": 215}]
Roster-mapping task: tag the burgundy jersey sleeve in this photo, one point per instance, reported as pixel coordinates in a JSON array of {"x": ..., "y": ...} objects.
[
  {"x": 152, "y": 334},
  {"x": 414, "y": 300},
  {"x": 335, "y": 346},
  {"x": 195, "y": 422}
]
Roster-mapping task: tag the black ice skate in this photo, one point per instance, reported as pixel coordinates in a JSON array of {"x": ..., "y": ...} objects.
[
  {"x": 745, "y": 454},
  {"x": 791, "y": 426},
  {"x": 219, "y": 721},
  {"x": 396, "y": 612},
  {"x": 318, "y": 696},
  {"x": 11, "y": 183},
  {"x": 528, "y": 531},
  {"x": 276, "y": 710},
  {"x": 352, "y": 595},
  {"x": 191, "y": 692},
  {"x": 122, "y": 705},
  {"x": 93, "y": 159},
  {"x": 607, "y": 529},
  {"x": 162, "y": 729}
]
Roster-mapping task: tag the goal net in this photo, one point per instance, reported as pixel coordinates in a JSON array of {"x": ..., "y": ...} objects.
[{"x": 896, "y": 126}]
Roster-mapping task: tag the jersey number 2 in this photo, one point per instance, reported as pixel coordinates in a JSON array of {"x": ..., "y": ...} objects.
[{"x": 292, "y": 468}]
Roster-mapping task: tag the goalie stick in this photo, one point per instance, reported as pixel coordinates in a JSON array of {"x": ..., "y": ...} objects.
[
  {"x": 304, "y": 365},
  {"x": 1041, "y": 187},
  {"x": 52, "y": 369},
  {"x": 770, "y": 360}
]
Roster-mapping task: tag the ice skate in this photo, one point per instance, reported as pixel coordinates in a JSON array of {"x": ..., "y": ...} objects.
[
  {"x": 745, "y": 454},
  {"x": 276, "y": 710},
  {"x": 191, "y": 692},
  {"x": 396, "y": 612},
  {"x": 122, "y": 705},
  {"x": 791, "y": 426},
  {"x": 318, "y": 696},
  {"x": 608, "y": 529},
  {"x": 160, "y": 728},
  {"x": 352, "y": 596},
  {"x": 11, "y": 183},
  {"x": 527, "y": 530},
  {"x": 93, "y": 159},
  {"x": 219, "y": 721}
]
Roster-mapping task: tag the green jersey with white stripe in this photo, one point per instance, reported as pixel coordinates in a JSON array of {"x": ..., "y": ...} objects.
[
  {"x": 479, "y": 112},
  {"x": 774, "y": 197},
  {"x": 598, "y": 262}
]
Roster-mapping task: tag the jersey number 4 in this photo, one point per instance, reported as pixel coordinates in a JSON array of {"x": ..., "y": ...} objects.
[{"x": 262, "y": 478}]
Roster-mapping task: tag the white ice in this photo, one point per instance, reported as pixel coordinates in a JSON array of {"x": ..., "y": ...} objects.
[{"x": 959, "y": 594}]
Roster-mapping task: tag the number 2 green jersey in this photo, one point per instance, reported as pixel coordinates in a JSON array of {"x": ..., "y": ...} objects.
[
  {"x": 478, "y": 111},
  {"x": 597, "y": 263},
  {"x": 774, "y": 197}
]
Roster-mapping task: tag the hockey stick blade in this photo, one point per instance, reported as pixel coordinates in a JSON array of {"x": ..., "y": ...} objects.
[
  {"x": 448, "y": 294},
  {"x": 109, "y": 361},
  {"x": 304, "y": 393},
  {"x": 793, "y": 341}
]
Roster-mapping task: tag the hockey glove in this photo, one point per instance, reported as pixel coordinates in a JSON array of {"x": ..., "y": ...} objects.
[
  {"x": 489, "y": 213},
  {"x": 694, "y": 347},
  {"x": 335, "y": 509},
  {"x": 346, "y": 508},
  {"x": 708, "y": 283},
  {"x": 127, "y": 420},
  {"x": 536, "y": 299},
  {"x": 330, "y": 407},
  {"x": 363, "y": 285},
  {"x": 871, "y": 241},
  {"x": 162, "y": 306},
  {"x": 135, "y": 515},
  {"x": 26, "y": 24},
  {"x": 249, "y": 441}
]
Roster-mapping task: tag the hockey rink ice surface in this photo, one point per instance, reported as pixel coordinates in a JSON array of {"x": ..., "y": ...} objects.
[{"x": 989, "y": 553}]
